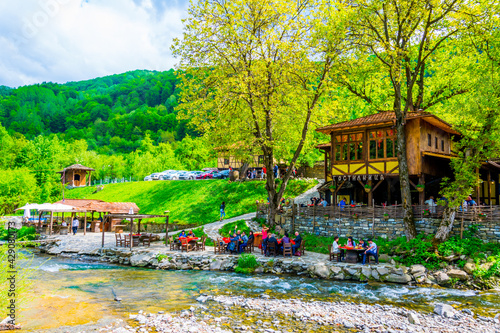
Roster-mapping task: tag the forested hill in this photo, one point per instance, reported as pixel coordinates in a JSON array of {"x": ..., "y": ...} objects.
[{"x": 112, "y": 113}]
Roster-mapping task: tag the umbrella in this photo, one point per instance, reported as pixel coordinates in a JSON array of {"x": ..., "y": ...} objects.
[{"x": 27, "y": 214}]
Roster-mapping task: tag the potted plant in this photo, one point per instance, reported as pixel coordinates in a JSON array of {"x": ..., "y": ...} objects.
[
  {"x": 325, "y": 216},
  {"x": 386, "y": 216},
  {"x": 427, "y": 212},
  {"x": 420, "y": 187},
  {"x": 368, "y": 188},
  {"x": 355, "y": 215},
  {"x": 333, "y": 187},
  {"x": 481, "y": 216}
]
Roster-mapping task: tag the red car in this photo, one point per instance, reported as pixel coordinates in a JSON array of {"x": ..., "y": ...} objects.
[{"x": 206, "y": 175}]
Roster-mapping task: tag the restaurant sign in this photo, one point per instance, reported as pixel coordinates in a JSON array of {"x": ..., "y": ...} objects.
[{"x": 358, "y": 177}]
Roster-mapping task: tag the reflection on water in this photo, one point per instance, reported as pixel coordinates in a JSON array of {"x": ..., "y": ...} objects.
[{"x": 69, "y": 292}]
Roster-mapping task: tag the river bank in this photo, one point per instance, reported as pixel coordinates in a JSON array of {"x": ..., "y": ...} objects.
[
  {"x": 237, "y": 313},
  {"x": 314, "y": 265}
]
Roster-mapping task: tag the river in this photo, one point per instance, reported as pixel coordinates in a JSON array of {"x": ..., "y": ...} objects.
[{"x": 67, "y": 292}]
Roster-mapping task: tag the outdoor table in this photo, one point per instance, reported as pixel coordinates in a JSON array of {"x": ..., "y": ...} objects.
[
  {"x": 257, "y": 239},
  {"x": 352, "y": 253},
  {"x": 226, "y": 240},
  {"x": 291, "y": 241}
]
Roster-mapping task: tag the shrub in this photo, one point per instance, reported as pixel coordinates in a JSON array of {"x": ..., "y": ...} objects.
[
  {"x": 23, "y": 234},
  {"x": 246, "y": 264}
]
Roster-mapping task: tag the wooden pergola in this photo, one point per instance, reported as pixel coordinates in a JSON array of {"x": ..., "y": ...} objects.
[{"x": 132, "y": 217}]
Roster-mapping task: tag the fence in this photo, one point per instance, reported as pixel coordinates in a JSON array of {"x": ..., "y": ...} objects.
[
  {"x": 483, "y": 214},
  {"x": 106, "y": 181}
]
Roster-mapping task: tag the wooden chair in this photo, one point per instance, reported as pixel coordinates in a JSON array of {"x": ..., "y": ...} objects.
[
  {"x": 218, "y": 248},
  {"x": 146, "y": 240},
  {"x": 287, "y": 249},
  {"x": 172, "y": 243},
  {"x": 249, "y": 247},
  {"x": 271, "y": 248},
  {"x": 369, "y": 256},
  {"x": 126, "y": 240},
  {"x": 185, "y": 245},
  {"x": 333, "y": 256},
  {"x": 201, "y": 245},
  {"x": 119, "y": 240},
  {"x": 302, "y": 248}
]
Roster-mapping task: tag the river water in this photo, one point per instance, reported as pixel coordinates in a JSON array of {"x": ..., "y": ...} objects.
[{"x": 67, "y": 292}]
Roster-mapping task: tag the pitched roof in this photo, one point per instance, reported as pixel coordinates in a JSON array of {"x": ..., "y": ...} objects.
[
  {"x": 78, "y": 202},
  {"x": 112, "y": 207},
  {"x": 387, "y": 117},
  {"x": 76, "y": 167}
]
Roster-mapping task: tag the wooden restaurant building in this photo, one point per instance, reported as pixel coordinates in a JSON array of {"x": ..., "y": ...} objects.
[{"x": 361, "y": 163}]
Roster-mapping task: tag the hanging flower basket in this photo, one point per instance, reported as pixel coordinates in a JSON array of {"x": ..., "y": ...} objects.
[
  {"x": 420, "y": 187},
  {"x": 355, "y": 216},
  {"x": 333, "y": 188},
  {"x": 368, "y": 188},
  {"x": 386, "y": 216},
  {"x": 426, "y": 212},
  {"x": 481, "y": 216}
]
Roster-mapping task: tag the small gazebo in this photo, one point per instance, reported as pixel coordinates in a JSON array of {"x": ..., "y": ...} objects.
[{"x": 76, "y": 175}]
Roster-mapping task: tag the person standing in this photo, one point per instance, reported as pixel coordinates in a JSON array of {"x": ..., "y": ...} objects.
[
  {"x": 263, "y": 174},
  {"x": 222, "y": 210},
  {"x": 74, "y": 225}
]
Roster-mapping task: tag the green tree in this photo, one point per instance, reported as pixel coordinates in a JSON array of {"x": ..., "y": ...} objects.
[
  {"x": 256, "y": 72},
  {"x": 406, "y": 49}
]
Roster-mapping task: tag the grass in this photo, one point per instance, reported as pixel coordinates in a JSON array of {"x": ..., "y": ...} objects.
[
  {"x": 230, "y": 227},
  {"x": 195, "y": 202}
]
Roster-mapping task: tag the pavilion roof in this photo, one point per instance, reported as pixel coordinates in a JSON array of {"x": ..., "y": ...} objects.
[
  {"x": 76, "y": 167},
  {"x": 386, "y": 118}
]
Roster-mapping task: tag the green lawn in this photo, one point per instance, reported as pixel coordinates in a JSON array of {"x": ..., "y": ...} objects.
[{"x": 189, "y": 201}]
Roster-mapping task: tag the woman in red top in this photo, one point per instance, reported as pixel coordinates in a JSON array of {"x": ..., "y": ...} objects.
[{"x": 264, "y": 237}]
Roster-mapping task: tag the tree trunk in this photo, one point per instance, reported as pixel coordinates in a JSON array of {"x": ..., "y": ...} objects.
[
  {"x": 243, "y": 170},
  {"x": 404, "y": 177},
  {"x": 271, "y": 190},
  {"x": 446, "y": 225}
]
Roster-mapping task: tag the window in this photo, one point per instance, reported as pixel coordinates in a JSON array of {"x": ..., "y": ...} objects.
[
  {"x": 429, "y": 140},
  {"x": 442, "y": 145},
  {"x": 382, "y": 144},
  {"x": 261, "y": 159},
  {"x": 348, "y": 147},
  {"x": 436, "y": 143},
  {"x": 226, "y": 161}
]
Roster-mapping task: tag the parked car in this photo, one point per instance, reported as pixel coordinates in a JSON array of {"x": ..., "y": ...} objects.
[
  {"x": 148, "y": 178},
  {"x": 196, "y": 174},
  {"x": 173, "y": 175},
  {"x": 155, "y": 176},
  {"x": 186, "y": 175},
  {"x": 205, "y": 175},
  {"x": 222, "y": 174}
]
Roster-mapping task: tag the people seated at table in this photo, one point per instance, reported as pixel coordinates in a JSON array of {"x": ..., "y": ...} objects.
[
  {"x": 350, "y": 242},
  {"x": 191, "y": 234},
  {"x": 335, "y": 247},
  {"x": 271, "y": 239},
  {"x": 342, "y": 203},
  {"x": 244, "y": 241},
  {"x": 363, "y": 244},
  {"x": 297, "y": 241},
  {"x": 284, "y": 239},
  {"x": 233, "y": 244},
  {"x": 264, "y": 238},
  {"x": 370, "y": 251}
]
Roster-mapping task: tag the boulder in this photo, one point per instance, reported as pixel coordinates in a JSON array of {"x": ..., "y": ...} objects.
[
  {"x": 442, "y": 278},
  {"x": 334, "y": 270},
  {"x": 486, "y": 266},
  {"x": 259, "y": 270},
  {"x": 321, "y": 270},
  {"x": 444, "y": 310},
  {"x": 339, "y": 276},
  {"x": 384, "y": 258},
  {"x": 216, "y": 265},
  {"x": 396, "y": 278},
  {"x": 470, "y": 267},
  {"x": 375, "y": 275},
  {"x": 458, "y": 274},
  {"x": 382, "y": 271},
  {"x": 140, "y": 259},
  {"x": 367, "y": 272},
  {"x": 413, "y": 318},
  {"x": 417, "y": 270}
]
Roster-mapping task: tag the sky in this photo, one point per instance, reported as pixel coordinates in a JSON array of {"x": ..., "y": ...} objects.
[{"x": 72, "y": 40}]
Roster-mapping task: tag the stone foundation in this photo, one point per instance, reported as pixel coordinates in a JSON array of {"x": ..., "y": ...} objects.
[{"x": 390, "y": 229}]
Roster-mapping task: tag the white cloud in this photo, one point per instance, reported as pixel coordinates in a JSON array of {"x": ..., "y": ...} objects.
[{"x": 68, "y": 40}]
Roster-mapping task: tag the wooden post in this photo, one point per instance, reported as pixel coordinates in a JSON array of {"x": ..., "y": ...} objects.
[
  {"x": 51, "y": 221},
  {"x": 102, "y": 226},
  {"x": 373, "y": 219},
  {"x": 139, "y": 226},
  {"x": 421, "y": 195},
  {"x": 489, "y": 187},
  {"x": 90, "y": 173},
  {"x": 478, "y": 194},
  {"x": 166, "y": 227},
  {"x": 85, "y": 224},
  {"x": 370, "y": 194},
  {"x": 131, "y": 237},
  {"x": 389, "y": 186}
]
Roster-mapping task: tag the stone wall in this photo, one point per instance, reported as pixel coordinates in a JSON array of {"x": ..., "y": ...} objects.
[{"x": 390, "y": 229}]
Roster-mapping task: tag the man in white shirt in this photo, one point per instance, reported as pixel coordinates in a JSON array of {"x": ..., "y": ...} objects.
[
  {"x": 74, "y": 225},
  {"x": 371, "y": 250}
]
